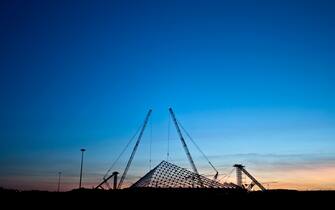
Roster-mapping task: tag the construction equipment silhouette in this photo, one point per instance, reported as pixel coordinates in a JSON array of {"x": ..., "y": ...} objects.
[{"x": 168, "y": 175}]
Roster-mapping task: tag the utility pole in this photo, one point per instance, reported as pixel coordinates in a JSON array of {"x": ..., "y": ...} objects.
[
  {"x": 81, "y": 166},
  {"x": 59, "y": 175}
]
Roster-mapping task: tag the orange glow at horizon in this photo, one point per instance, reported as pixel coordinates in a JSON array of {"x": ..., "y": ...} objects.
[{"x": 317, "y": 178}]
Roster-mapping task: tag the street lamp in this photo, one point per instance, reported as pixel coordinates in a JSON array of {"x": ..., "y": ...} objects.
[
  {"x": 81, "y": 166},
  {"x": 59, "y": 174}
]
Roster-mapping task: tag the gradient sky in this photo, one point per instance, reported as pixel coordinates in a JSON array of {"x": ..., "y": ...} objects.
[{"x": 252, "y": 82}]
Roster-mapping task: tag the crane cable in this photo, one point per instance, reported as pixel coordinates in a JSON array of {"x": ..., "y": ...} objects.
[
  {"x": 168, "y": 140},
  {"x": 122, "y": 152},
  {"x": 228, "y": 175},
  {"x": 150, "y": 160},
  {"x": 203, "y": 154}
]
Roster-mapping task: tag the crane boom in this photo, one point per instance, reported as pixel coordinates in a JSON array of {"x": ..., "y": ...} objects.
[
  {"x": 239, "y": 169},
  {"x": 105, "y": 181},
  {"x": 134, "y": 150},
  {"x": 253, "y": 179},
  {"x": 183, "y": 142}
]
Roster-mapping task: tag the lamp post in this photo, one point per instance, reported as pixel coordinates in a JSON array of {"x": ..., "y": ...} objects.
[
  {"x": 59, "y": 175},
  {"x": 81, "y": 166}
]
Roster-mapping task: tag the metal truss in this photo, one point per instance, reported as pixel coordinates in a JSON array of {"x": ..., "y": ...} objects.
[{"x": 168, "y": 175}]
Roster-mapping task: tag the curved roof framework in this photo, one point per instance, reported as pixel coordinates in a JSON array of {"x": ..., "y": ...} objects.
[{"x": 168, "y": 175}]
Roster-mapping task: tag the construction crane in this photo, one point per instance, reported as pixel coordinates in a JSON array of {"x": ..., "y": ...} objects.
[
  {"x": 239, "y": 169},
  {"x": 183, "y": 142},
  {"x": 185, "y": 147},
  {"x": 134, "y": 150},
  {"x": 105, "y": 181}
]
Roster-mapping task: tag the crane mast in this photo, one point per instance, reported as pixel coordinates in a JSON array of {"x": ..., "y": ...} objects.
[
  {"x": 134, "y": 150},
  {"x": 183, "y": 142}
]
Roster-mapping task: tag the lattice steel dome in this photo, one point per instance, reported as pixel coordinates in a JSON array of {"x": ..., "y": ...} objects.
[{"x": 168, "y": 175}]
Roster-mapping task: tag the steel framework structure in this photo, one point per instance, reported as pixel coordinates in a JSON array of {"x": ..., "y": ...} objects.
[
  {"x": 168, "y": 175},
  {"x": 239, "y": 169}
]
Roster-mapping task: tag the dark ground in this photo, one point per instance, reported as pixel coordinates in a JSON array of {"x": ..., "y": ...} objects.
[{"x": 170, "y": 198}]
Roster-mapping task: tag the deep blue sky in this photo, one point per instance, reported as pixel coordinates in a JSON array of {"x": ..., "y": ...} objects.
[{"x": 243, "y": 76}]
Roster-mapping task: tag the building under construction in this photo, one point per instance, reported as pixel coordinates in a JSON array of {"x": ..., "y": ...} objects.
[{"x": 168, "y": 175}]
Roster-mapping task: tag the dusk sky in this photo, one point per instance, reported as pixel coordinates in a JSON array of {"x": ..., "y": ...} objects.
[{"x": 252, "y": 81}]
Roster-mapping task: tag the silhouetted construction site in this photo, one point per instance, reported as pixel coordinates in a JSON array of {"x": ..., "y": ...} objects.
[
  {"x": 168, "y": 175},
  {"x": 170, "y": 185}
]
